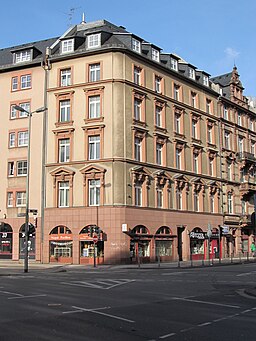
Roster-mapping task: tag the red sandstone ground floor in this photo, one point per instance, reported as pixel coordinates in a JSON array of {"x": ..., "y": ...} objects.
[{"x": 114, "y": 235}]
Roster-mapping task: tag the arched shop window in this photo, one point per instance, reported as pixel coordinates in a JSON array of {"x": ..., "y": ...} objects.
[
  {"x": 31, "y": 241},
  {"x": 61, "y": 244},
  {"x": 5, "y": 241},
  {"x": 91, "y": 240},
  {"x": 164, "y": 243},
  {"x": 140, "y": 242}
]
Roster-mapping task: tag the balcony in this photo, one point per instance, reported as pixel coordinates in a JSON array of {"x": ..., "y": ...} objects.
[
  {"x": 245, "y": 156},
  {"x": 247, "y": 190}
]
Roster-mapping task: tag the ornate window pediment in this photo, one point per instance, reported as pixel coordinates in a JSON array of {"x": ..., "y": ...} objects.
[{"x": 63, "y": 174}]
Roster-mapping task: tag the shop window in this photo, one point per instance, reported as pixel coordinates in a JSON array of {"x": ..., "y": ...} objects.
[{"x": 61, "y": 244}]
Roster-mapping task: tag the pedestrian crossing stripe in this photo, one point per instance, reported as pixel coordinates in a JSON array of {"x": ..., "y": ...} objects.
[{"x": 105, "y": 284}]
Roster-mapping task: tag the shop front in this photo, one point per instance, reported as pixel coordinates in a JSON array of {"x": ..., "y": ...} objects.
[
  {"x": 215, "y": 244},
  {"x": 5, "y": 241},
  {"x": 91, "y": 244},
  {"x": 164, "y": 244},
  {"x": 61, "y": 245},
  {"x": 31, "y": 241},
  {"x": 198, "y": 249},
  {"x": 140, "y": 244}
]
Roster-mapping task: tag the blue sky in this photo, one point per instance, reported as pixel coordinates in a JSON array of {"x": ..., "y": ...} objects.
[{"x": 210, "y": 34}]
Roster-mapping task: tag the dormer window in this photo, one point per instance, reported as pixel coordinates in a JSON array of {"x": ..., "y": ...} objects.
[
  {"x": 136, "y": 45},
  {"x": 23, "y": 56},
  {"x": 174, "y": 64},
  {"x": 67, "y": 46},
  {"x": 94, "y": 41},
  {"x": 205, "y": 80},
  {"x": 191, "y": 73},
  {"x": 155, "y": 55}
]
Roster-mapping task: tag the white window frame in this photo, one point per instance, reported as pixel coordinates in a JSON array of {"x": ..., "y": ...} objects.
[
  {"x": 22, "y": 168},
  {"x": 158, "y": 116},
  {"x": 94, "y": 72},
  {"x": 25, "y": 106},
  {"x": 137, "y": 148},
  {"x": 159, "y": 153},
  {"x": 174, "y": 64},
  {"x": 94, "y": 40},
  {"x": 195, "y": 163},
  {"x": 94, "y": 192},
  {"x": 176, "y": 92},
  {"x": 137, "y": 109},
  {"x": 155, "y": 55},
  {"x": 15, "y": 83},
  {"x": 209, "y": 133},
  {"x": 23, "y": 138},
  {"x": 196, "y": 201},
  {"x": 178, "y": 158},
  {"x": 212, "y": 201},
  {"x": 194, "y": 128},
  {"x": 64, "y": 150},
  {"x": 205, "y": 80},
  {"x": 65, "y": 77},
  {"x": 13, "y": 113},
  {"x": 64, "y": 110},
  {"x": 191, "y": 73},
  {"x": 63, "y": 193},
  {"x": 11, "y": 168},
  {"x": 230, "y": 203},
  {"x": 12, "y": 140},
  {"x": 23, "y": 56},
  {"x": 211, "y": 166},
  {"x": 227, "y": 139},
  {"x": 10, "y": 199},
  {"x": 159, "y": 198},
  {"x": 138, "y": 195},
  {"x": 225, "y": 112},
  {"x": 94, "y": 106},
  {"x": 177, "y": 119},
  {"x": 179, "y": 200},
  {"x": 136, "y": 45},
  {"x": 94, "y": 147},
  {"x": 158, "y": 81},
  {"x": 137, "y": 75},
  {"x": 21, "y": 199},
  {"x": 67, "y": 46},
  {"x": 25, "y": 81}
]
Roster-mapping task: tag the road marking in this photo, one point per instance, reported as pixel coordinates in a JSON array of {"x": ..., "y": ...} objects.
[
  {"x": 11, "y": 293},
  {"x": 246, "y": 274},
  {"x": 30, "y": 296},
  {"x": 174, "y": 273},
  {"x": 81, "y": 311},
  {"x": 167, "y": 335},
  {"x": 246, "y": 311},
  {"x": 104, "y": 314},
  {"x": 100, "y": 284},
  {"x": 204, "y": 324},
  {"x": 204, "y": 302}
]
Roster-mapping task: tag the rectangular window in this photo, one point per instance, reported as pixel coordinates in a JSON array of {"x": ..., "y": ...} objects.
[
  {"x": 25, "y": 82},
  {"x": 178, "y": 158},
  {"x": 177, "y": 119},
  {"x": 64, "y": 111},
  {"x": 21, "y": 199},
  {"x": 93, "y": 40},
  {"x": 158, "y": 81},
  {"x": 211, "y": 165},
  {"x": 65, "y": 77},
  {"x": 229, "y": 170},
  {"x": 194, "y": 128},
  {"x": 94, "y": 106},
  {"x": 253, "y": 148},
  {"x": 94, "y": 72},
  {"x": 22, "y": 138},
  {"x": 64, "y": 150},
  {"x": 137, "y": 148},
  {"x": 240, "y": 144},
  {"x": 13, "y": 113},
  {"x": 67, "y": 46},
  {"x": 14, "y": 83},
  {"x": 206, "y": 80},
  {"x": 11, "y": 140},
  {"x": 174, "y": 64},
  {"x": 22, "y": 168},
  {"x": 155, "y": 55},
  {"x": 193, "y": 99},
  {"x": 10, "y": 199},
  {"x": 159, "y": 194},
  {"x": 225, "y": 112},
  {"x": 11, "y": 168},
  {"x": 159, "y": 151},
  {"x": 63, "y": 194},
  {"x": 209, "y": 133},
  {"x": 230, "y": 203},
  {"x": 23, "y": 56},
  {"x": 25, "y": 106},
  {"x": 136, "y": 45},
  {"x": 251, "y": 124},
  {"x": 137, "y": 109},
  {"x": 158, "y": 116},
  {"x": 239, "y": 118},
  {"x": 191, "y": 73},
  {"x": 137, "y": 75},
  {"x": 195, "y": 163},
  {"x": 208, "y": 106},
  {"x": 138, "y": 195},
  {"x": 94, "y": 147},
  {"x": 176, "y": 90},
  {"x": 212, "y": 203},
  {"x": 94, "y": 192}
]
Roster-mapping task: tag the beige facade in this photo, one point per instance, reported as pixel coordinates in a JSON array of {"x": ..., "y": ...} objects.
[{"x": 133, "y": 147}]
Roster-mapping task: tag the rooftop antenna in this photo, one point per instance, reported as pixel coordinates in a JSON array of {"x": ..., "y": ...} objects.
[{"x": 70, "y": 15}]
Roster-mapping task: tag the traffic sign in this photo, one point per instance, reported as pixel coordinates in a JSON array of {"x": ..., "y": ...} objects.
[{"x": 95, "y": 239}]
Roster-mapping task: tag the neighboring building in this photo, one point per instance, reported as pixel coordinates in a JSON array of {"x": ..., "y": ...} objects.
[{"x": 133, "y": 148}]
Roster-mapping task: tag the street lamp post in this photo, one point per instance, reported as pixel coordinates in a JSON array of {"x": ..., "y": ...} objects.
[{"x": 29, "y": 115}]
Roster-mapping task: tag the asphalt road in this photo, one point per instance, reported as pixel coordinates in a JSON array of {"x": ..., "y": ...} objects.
[{"x": 116, "y": 304}]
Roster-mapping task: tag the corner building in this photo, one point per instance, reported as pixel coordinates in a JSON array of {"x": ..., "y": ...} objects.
[{"x": 131, "y": 152}]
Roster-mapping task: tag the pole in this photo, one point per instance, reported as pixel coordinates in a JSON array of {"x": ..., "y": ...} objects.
[
  {"x": 27, "y": 197},
  {"x": 94, "y": 255},
  {"x": 220, "y": 244}
]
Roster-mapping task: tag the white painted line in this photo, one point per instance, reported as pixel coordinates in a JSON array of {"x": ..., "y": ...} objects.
[
  {"x": 83, "y": 284},
  {"x": 246, "y": 274},
  {"x": 101, "y": 313},
  {"x": 30, "y": 296},
  {"x": 246, "y": 311},
  {"x": 174, "y": 273},
  {"x": 167, "y": 335},
  {"x": 204, "y": 324},
  {"x": 10, "y": 293},
  {"x": 220, "y": 319},
  {"x": 204, "y": 302}
]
